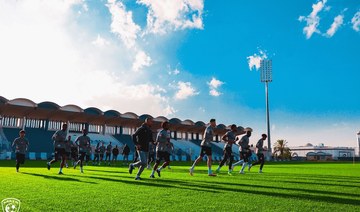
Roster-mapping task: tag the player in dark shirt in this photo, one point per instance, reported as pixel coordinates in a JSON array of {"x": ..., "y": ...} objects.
[
  {"x": 115, "y": 152},
  {"x": 108, "y": 153},
  {"x": 125, "y": 153},
  {"x": 141, "y": 138},
  {"x": 21, "y": 145},
  {"x": 102, "y": 151}
]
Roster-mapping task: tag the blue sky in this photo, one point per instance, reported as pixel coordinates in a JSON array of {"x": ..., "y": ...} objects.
[{"x": 191, "y": 59}]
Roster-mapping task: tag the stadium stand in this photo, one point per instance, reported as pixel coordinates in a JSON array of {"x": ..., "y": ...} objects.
[{"x": 41, "y": 120}]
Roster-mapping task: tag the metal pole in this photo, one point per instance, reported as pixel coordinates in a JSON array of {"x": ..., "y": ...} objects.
[{"x": 268, "y": 117}]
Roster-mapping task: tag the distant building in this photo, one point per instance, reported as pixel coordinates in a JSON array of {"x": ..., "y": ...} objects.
[{"x": 321, "y": 152}]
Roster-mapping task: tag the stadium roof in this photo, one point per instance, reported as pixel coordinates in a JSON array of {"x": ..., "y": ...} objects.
[{"x": 22, "y": 107}]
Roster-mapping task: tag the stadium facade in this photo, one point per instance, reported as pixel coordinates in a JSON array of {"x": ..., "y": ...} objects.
[
  {"x": 41, "y": 120},
  {"x": 321, "y": 152}
]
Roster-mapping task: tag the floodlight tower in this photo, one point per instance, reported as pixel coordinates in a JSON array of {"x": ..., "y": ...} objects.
[{"x": 266, "y": 76}]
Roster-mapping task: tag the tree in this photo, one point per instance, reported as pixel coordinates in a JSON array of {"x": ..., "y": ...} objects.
[{"x": 281, "y": 150}]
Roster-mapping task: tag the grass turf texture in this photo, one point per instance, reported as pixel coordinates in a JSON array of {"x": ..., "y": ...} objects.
[{"x": 282, "y": 187}]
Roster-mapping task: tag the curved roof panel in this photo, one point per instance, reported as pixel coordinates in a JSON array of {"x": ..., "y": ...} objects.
[
  {"x": 129, "y": 115},
  {"x": 93, "y": 111},
  {"x": 145, "y": 116},
  {"x": 48, "y": 105},
  {"x": 72, "y": 108},
  {"x": 188, "y": 122},
  {"x": 221, "y": 126},
  {"x": 161, "y": 119},
  {"x": 112, "y": 114},
  {"x": 175, "y": 121},
  {"x": 200, "y": 124},
  {"x": 22, "y": 102},
  {"x": 3, "y": 100}
]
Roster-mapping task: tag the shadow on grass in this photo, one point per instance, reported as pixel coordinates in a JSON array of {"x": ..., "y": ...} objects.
[
  {"x": 331, "y": 179},
  {"x": 106, "y": 171},
  {"x": 153, "y": 183},
  {"x": 62, "y": 178},
  {"x": 316, "y": 195}
]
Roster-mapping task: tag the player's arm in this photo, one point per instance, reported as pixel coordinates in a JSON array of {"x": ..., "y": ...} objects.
[
  {"x": 27, "y": 146},
  {"x": 224, "y": 138},
  {"x": 14, "y": 145}
]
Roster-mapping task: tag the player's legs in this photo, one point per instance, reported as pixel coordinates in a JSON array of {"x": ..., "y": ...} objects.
[
  {"x": 246, "y": 159},
  {"x": 223, "y": 161},
  {"x": 157, "y": 162},
  {"x": 262, "y": 161},
  {"x": 63, "y": 160},
  {"x": 195, "y": 163},
  {"x": 20, "y": 159},
  {"x": 240, "y": 162},
  {"x": 141, "y": 164}
]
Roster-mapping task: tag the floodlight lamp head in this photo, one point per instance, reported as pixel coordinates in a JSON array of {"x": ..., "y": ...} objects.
[{"x": 266, "y": 70}]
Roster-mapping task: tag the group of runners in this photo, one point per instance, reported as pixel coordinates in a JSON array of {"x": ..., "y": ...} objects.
[{"x": 143, "y": 140}]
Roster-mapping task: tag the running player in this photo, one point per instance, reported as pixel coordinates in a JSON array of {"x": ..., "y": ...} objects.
[
  {"x": 206, "y": 148},
  {"x": 162, "y": 149},
  {"x": 59, "y": 139},
  {"x": 83, "y": 142},
  {"x": 244, "y": 149},
  {"x": 141, "y": 138},
  {"x": 229, "y": 139},
  {"x": 21, "y": 145},
  {"x": 260, "y": 152}
]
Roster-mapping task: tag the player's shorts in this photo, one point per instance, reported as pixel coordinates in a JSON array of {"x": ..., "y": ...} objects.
[
  {"x": 101, "y": 156},
  {"x": 205, "y": 150},
  {"x": 20, "y": 158},
  {"x": 74, "y": 155},
  {"x": 59, "y": 153},
  {"x": 151, "y": 155},
  {"x": 244, "y": 156},
  {"x": 228, "y": 152},
  {"x": 261, "y": 156},
  {"x": 161, "y": 155},
  {"x": 82, "y": 155}
]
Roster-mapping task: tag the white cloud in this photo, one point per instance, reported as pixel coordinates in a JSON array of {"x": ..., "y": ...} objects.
[
  {"x": 338, "y": 21},
  {"x": 122, "y": 23},
  {"x": 52, "y": 60},
  {"x": 185, "y": 90},
  {"x": 141, "y": 60},
  {"x": 254, "y": 60},
  {"x": 167, "y": 15},
  {"x": 100, "y": 41},
  {"x": 173, "y": 72},
  {"x": 214, "y": 92},
  {"x": 356, "y": 21},
  {"x": 214, "y": 84},
  {"x": 312, "y": 20},
  {"x": 176, "y": 72}
]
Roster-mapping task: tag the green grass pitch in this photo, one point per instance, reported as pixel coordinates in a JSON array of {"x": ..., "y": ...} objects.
[{"x": 282, "y": 187}]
